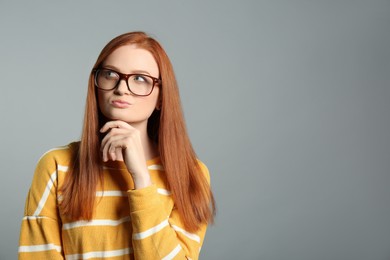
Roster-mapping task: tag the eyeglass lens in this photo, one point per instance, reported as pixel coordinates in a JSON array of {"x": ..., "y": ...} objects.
[{"x": 139, "y": 84}]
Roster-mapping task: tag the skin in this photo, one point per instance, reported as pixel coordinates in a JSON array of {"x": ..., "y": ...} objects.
[{"x": 126, "y": 136}]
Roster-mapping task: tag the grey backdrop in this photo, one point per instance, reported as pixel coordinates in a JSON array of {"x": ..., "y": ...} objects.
[{"x": 287, "y": 102}]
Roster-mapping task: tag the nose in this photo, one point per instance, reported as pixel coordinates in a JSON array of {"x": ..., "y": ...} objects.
[{"x": 121, "y": 88}]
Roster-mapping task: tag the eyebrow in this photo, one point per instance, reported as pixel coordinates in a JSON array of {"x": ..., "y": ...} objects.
[{"x": 134, "y": 71}]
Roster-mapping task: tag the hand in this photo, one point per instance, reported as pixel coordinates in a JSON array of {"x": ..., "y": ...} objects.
[{"x": 123, "y": 143}]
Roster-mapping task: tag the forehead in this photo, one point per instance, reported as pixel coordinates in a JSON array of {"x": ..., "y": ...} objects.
[{"x": 129, "y": 58}]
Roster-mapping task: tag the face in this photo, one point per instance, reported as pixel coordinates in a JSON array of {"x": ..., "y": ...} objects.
[{"x": 120, "y": 103}]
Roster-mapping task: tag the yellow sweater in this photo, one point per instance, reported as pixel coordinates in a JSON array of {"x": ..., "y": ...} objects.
[{"x": 127, "y": 224}]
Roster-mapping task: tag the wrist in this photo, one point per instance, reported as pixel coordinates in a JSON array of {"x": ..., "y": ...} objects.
[{"x": 142, "y": 180}]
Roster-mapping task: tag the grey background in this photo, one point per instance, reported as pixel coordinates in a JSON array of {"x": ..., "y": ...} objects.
[{"x": 287, "y": 102}]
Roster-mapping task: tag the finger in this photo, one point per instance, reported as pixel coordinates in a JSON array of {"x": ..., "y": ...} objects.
[
  {"x": 115, "y": 149},
  {"x": 115, "y": 124},
  {"x": 106, "y": 146},
  {"x": 111, "y": 153},
  {"x": 119, "y": 154},
  {"x": 112, "y": 133}
]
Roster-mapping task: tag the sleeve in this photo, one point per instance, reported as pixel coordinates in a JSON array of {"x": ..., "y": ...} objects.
[
  {"x": 40, "y": 233},
  {"x": 158, "y": 234}
]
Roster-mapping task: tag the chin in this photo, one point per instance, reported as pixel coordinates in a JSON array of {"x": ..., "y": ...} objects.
[{"x": 125, "y": 118}]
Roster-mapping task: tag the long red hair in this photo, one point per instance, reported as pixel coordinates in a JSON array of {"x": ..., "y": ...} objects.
[{"x": 190, "y": 189}]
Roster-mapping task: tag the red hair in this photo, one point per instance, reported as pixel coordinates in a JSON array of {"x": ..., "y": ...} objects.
[{"x": 190, "y": 189}]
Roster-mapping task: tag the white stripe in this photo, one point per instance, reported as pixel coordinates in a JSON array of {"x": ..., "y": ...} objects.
[
  {"x": 62, "y": 168},
  {"x": 34, "y": 217},
  {"x": 172, "y": 254},
  {"x": 100, "y": 254},
  {"x": 163, "y": 192},
  {"x": 111, "y": 193},
  {"x": 151, "y": 231},
  {"x": 46, "y": 193},
  {"x": 49, "y": 185},
  {"x": 96, "y": 222},
  {"x": 54, "y": 149},
  {"x": 119, "y": 193},
  {"x": 37, "y": 248},
  {"x": 187, "y": 234},
  {"x": 157, "y": 167}
]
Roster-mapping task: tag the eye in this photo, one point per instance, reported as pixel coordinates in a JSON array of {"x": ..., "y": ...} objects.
[
  {"x": 140, "y": 78},
  {"x": 109, "y": 74}
]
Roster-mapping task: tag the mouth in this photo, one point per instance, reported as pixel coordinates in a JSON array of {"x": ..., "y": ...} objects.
[{"x": 120, "y": 103}]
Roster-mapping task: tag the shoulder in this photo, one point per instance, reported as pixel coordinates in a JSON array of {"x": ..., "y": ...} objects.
[
  {"x": 49, "y": 173},
  {"x": 58, "y": 156}
]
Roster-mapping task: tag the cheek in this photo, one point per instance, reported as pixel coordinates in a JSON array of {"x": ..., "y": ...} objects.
[
  {"x": 149, "y": 104},
  {"x": 154, "y": 98}
]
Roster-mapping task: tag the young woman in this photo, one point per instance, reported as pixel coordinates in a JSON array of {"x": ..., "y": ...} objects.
[{"x": 132, "y": 188}]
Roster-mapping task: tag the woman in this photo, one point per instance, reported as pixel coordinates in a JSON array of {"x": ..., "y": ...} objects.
[{"x": 132, "y": 188}]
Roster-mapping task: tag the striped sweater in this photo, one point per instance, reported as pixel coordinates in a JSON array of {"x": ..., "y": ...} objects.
[{"x": 127, "y": 223}]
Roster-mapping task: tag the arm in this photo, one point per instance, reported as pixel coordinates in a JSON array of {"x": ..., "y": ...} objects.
[
  {"x": 158, "y": 234},
  {"x": 40, "y": 234}
]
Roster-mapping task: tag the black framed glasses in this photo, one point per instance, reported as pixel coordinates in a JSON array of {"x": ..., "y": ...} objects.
[{"x": 137, "y": 84}]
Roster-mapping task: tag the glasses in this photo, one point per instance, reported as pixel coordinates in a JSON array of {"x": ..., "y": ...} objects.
[{"x": 137, "y": 84}]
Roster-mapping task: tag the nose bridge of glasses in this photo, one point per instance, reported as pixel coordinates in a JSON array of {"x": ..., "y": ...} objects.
[{"x": 123, "y": 80}]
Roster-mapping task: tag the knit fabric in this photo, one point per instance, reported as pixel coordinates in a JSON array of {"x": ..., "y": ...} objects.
[{"x": 127, "y": 223}]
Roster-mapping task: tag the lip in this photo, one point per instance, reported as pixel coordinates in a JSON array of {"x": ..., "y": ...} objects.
[{"x": 120, "y": 103}]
